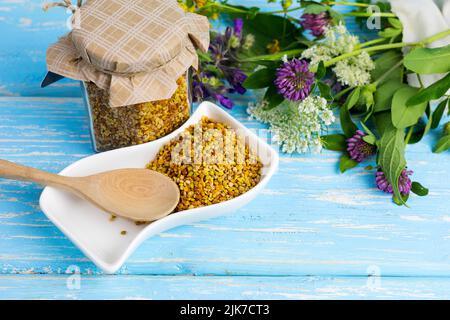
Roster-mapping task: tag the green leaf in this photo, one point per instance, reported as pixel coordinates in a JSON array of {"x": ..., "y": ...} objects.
[
  {"x": 370, "y": 139},
  {"x": 262, "y": 78},
  {"x": 353, "y": 98},
  {"x": 395, "y": 23},
  {"x": 346, "y": 163},
  {"x": 321, "y": 71},
  {"x": 273, "y": 98},
  {"x": 367, "y": 99},
  {"x": 334, "y": 142},
  {"x": 367, "y": 130},
  {"x": 383, "y": 121},
  {"x": 315, "y": 8},
  {"x": 433, "y": 92},
  {"x": 438, "y": 113},
  {"x": 385, "y": 93},
  {"x": 418, "y": 135},
  {"x": 392, "y": 156},
  {"x": 418, "y": 189},
  {"x": 390, "y": 33},
  {"x": 384, "y": 63},
  {"x": 428, "y": 61},
  {"x": 442, "y": 145},
  {"x": 253, "y": 11},
  {"x": 204, "y": 56},
  {"x": 400, "y": 201},
  {"x": 403, "y": 116},
  {"x": 336, "y": 17},
  {"x": 347, "y": 124},
  {"x": 325, "y": 90}
]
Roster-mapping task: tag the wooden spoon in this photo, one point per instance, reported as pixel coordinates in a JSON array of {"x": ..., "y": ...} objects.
[{"x": 137, "y": 194}]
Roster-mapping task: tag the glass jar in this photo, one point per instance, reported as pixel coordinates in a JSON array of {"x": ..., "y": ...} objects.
[
  {"x": 129, "y": 64},
  {"x": 117, "y": 127}
]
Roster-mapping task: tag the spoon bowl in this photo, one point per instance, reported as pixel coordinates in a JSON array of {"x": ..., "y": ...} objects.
[{"x": 138, "y": 194}]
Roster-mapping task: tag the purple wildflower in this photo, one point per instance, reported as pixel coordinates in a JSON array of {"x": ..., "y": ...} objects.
[
  {"x": 236, "y": 79},
  {"x": 199, "y": 92},
  {"x": 404, "y": 182},
  {"x": 335, "y": 85},
  {"x": 294, "y": 80},
  {"x": 358, "y": 149},
  {"x": 316, "y": 23},
  {"x": 238, "y": 26},
  {"x": 224, "y": 101},
  {"x": 223, "y": 65}
]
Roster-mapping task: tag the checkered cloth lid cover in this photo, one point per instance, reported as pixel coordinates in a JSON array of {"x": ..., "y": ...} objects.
[{"x": 134, "y": 49}]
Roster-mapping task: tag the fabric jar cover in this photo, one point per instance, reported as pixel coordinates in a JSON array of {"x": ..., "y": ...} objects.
[{"x": 134, "y": 49}]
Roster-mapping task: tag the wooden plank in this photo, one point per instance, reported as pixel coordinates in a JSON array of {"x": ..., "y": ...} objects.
[
  {"x": 310, "y": 221},
  {"x": 249, "y": 288}
]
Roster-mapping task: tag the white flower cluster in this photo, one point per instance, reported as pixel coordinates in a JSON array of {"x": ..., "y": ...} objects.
[
  {"x": 296, "y": 127},
  {"x": 353, "y": 71},
  {"x": 249, "y": 41}
]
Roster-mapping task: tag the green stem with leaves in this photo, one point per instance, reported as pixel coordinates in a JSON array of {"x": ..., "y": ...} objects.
[
  {"x": 368, "y": 14},
  {"x": 347, "y": 3},
  {"x": 340, "y": 94},
  {"x": 382, "y": 47},
  {"x": 274, "y": 57},
  {"x": 371, "y": 42},
  {"x": 228, "y": 8}
]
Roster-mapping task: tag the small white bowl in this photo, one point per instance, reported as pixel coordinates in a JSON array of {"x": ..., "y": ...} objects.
[{"x": 98, "y": 238}]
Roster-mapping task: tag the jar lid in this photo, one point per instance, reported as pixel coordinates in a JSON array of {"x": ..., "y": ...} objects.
[{"x": 135, "y": 49}]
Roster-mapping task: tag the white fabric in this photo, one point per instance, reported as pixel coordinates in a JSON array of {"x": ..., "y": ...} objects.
[{"x": 422, "y": 19}]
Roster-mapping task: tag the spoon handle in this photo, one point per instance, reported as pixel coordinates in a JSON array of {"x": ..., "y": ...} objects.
[{"x": 9, "y": 170}]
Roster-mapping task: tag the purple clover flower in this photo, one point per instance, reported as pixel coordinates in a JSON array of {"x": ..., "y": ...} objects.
[
  {"x": 404, "y": 182},
  {"x": 294, "y": 80},
  {"x": 316, "y": 23},
  {"x": 358, "y": 149}
]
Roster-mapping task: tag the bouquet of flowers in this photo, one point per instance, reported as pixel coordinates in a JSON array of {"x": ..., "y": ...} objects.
[{"x": 311, "y": 70}]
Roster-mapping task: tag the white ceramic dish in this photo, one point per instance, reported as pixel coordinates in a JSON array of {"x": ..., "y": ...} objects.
[{"x": 99, "y": 239}]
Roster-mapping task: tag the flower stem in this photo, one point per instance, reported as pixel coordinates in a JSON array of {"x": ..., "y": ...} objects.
[
  {"x": 409, "y": 135},
  {"x": 229, "y": 8},
  {"x": 347, "y": 3},
  {"x": 281, "y": 11},
  {"x": 340, "y": 94},
  {"x": 436, "y": 37},
  {"x": 382, "y": 47},
  {"x": 274, "y": 57},
  {"x": 368, "y": 15},
  {"x": 358, "y": 51},
  {"x": 370, "y": 43}
]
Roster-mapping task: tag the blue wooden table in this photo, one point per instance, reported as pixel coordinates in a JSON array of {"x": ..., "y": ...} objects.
[{"x": 314, "y": 233}]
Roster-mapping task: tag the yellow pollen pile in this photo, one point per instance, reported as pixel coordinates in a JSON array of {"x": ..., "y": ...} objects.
[
  {"x": 227, "y": 169},
  {"x": 131, "y": 125}
]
